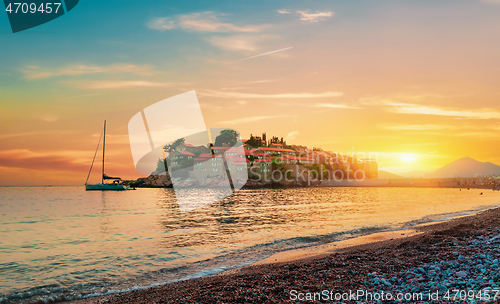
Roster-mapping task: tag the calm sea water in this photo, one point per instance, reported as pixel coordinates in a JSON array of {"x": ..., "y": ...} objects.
[{"x": 65, "y": 242}]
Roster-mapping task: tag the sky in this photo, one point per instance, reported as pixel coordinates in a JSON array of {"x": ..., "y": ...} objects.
[{"x": 415, "y": 81}]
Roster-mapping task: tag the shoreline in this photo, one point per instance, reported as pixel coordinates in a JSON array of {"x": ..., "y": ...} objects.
[
  {"x": 444, "y": 183},
  {"x": 326, "y": 249},
  {"x": 317, "y": 251},
  {"x": 247, "y": 276},
  {"x": 353, "y": 184}
]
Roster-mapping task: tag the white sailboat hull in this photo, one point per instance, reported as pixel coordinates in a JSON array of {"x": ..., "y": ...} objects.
[{"x": 114, "y": 187}]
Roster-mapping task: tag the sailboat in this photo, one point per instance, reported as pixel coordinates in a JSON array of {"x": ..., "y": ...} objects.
[{"x": 116, "y": 185}]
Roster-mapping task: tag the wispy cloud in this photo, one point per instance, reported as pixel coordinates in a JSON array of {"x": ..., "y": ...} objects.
[
  {"x": 223, "y": 94},
  {"x": 314, "y": 17},
  {"x": 200, "y": 22},
  {"x": 105, "y": 84},
  {"x": 248, "y": 120},
  {"x": 306, "y": 15},
  {"x": 114, "y": 138},
  {"x": 35, "y": 72},
  {"x": 75, "y": 155},
  {"x": 241, "y": 42},
  {"x": 284, "y": 11},
  {"x": 54, "y": 160},
  {"x": 162, "y": 24},
  {"x": 46, "y": 117},
  {"x": 480, "y": 134},
  {"x": 292, "y": 135},
  {"x": 423, "y": 96},
  {"x": 267, "y": 53},
  {"x": 14, "y": 135},
  {"x": 264, "y": 81},
  {"x": 426, "y": 127},
  {"x": 429, "y": 110},
  {"x": 234, "y": 43},
  {"x": 410, "y": 108},
  {"x": 334, "y": 105}
]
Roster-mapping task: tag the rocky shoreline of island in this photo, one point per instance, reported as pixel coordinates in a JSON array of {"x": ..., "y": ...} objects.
[{"x": 164, "y": 181}]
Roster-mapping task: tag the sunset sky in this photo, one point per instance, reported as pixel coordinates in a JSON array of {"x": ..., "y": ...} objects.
[{"x": 417, "y": 81}]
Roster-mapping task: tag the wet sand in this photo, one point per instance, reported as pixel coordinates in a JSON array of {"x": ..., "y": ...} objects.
[
  {"x": 327, "y": 249},
  {"x": 341, "y": 266}
]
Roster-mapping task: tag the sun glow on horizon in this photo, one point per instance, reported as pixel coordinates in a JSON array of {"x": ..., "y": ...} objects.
[{"x": 408, "y": 157}]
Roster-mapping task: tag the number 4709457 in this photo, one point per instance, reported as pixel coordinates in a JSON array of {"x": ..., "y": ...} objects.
[{"x": 33, "y": 8}]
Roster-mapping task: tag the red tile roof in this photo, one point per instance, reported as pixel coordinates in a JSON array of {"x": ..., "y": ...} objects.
[
  {"x": 186, "y": 153},
  {"x": 293, "y": 157},
  {"x": 221, "y": 148},
  {"x": 303, "y": 159},
  {"x": 261, "y": 154},
  {"x": 277, "y": 150}
]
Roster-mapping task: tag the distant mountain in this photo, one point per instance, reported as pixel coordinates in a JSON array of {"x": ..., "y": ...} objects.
[
  {"x": 415, "y": 174},
  {"x": 464, "y": 167},
  {"x": 388, "y": 175}
]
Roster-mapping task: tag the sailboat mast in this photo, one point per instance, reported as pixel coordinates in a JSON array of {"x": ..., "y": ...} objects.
[{"x": 103, "y": 152}]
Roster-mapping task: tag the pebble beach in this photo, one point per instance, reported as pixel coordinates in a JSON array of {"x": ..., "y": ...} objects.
[{"x": 456, "y": 261}]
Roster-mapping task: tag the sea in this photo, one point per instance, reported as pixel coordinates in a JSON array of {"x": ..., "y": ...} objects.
[{"x": 65, "y": 243}]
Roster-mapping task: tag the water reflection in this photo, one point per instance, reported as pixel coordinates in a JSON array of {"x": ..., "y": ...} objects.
[
  {"x": 250, "y": 217},
  {"x": 104, "y": 219},
  {"x": 142, "y": 236}
]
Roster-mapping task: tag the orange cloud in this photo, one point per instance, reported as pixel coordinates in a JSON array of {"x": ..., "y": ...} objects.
[
  {"x": 200, "y": 22},
  {"x": 314, "y": 17},
  {"x": 248, "y": 120},
  {"x": 109, "y": 84},
  {"x": 410, "y": 108},
  {"x": 282, "y": 95},
  {"x": 35, "y": 72},
  {"x": 26, "y": 167},
  {"x": 306, "y": 15},
  {"x": 59, "y": 160}
]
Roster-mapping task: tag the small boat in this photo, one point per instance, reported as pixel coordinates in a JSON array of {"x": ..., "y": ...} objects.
[{"x": 117, "y": 184}]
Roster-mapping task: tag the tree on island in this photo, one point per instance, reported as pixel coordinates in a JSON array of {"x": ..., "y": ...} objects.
[
  {"x": 277, "y": 140},
  {"x": 226, "y": 138},
  {"x": 254, "y": 141},
  {"x": 171, "y": 148},
  {"x": 161, "y": 165}
]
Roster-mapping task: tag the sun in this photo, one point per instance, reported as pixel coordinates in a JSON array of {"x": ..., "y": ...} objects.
[{"x": 408, "y": 157}]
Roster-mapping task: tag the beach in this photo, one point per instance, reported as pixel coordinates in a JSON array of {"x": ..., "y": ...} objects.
[{"x": 450, "y": 261}]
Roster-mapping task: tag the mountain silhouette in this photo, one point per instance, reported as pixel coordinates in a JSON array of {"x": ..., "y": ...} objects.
[
  {"x": 415, "y": 174},
  {"x": 465, "y": 167},
  {"x": 388, "y": 175}
]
